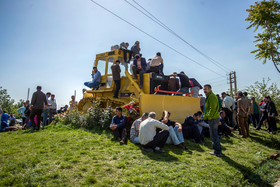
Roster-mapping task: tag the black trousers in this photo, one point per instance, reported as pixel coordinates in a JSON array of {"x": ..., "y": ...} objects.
[
  {"x": 158, "y": 141},
  {"x": 125, "y": 51},
  {"x": 255, "y": 119},
  {"x": 264, "y": 116},
  {"x": 140, "y": 72},
  {"x": 23, "y": 120},
  {"x": 120, "y": 133},
  {"x": 229, "y": 119},
  {"x": 272, "y": 124},
  {"x": 118, "y": 86},
  {"x": 192, "y": 132},
  {"x": 35, "y": 112}
]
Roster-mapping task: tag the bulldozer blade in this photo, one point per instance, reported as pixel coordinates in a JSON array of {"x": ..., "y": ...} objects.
[{"x": 179, "y": 106}]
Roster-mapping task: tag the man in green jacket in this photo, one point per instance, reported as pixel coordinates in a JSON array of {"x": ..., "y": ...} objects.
[{"x": 211, "y": 113}]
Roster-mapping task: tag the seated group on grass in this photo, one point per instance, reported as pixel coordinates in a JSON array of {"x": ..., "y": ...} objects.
[{"x": 153, "y": 134}]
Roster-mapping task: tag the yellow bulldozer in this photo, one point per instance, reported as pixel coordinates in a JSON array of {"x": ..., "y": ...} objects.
[{"x": 147, "y": 98}]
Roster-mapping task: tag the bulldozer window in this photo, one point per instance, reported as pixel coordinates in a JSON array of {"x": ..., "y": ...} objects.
[
  {"x": 110, "y": 63},
  {"x": 101, "y": 66}
]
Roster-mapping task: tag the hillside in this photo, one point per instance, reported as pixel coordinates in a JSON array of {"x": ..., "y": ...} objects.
[{"x": 61, "y": 156}]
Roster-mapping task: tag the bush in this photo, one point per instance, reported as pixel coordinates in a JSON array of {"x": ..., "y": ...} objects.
[{"x": 95, "y": 117}]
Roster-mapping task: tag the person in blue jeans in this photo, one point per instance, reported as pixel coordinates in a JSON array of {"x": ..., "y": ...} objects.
[
  {"x": 96, "y": 79},
  {"x": 175, "y": 131},
  {"x": 46, "y": 111},
  {"x": 211, "y": 114}
]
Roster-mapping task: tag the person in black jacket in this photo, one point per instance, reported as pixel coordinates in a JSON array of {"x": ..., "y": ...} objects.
[
  {"x": 37, "y": 105},
  {"x": 190, "y": 129},
  {"x": 272, "y": 113}
]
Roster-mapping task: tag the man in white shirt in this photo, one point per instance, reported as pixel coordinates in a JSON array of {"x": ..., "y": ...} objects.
[
  {"x": 156, "y": 64},
  {"x": 228, "y": 106},
  {"x": 148, "y": 137},
  {"x": 53, "y": 107}
]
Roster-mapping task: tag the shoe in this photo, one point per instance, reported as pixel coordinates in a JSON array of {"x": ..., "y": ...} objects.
[
  {"x": 256, "y": 129},
  {"x": 121, "y": 142},
  {"x": 141, "y": 86},
  {"x": 115, "y": 97},
  {"x": 180, "y": 146},
  {"x": 147, "y": 149},
  {"x": 159, "y": 150},
  {"x": 192, "y": 140},
  {"x": 274, "y": 132},
  {"x": 218, "y": 155}
]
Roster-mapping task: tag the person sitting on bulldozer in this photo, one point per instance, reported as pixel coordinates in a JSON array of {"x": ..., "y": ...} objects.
[
  {"x": 139, "y": 67},
  {"x": 96, "y": 78},
  {"x": 156, "y": 64}
]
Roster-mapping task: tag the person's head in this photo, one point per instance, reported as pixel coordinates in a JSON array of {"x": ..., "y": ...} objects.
[
  {"x": 126, "y": 44},
  {"x": 137, "y": 43},
  {"x": 117, "y": 62},
  {"x": 175, "y": 74},
  {"x": 245, "y": 94},
  {"x": 195, "y": 116},
  {"x": 222, "y": 114},
  {"x": 224, "y": 95},
  {"x": 27, "y": 102},
  {"x": 4, "y": 111},
  {"x": 52, "y": 96},
  {"x": 168, "y": 114},
  {"x": 182, "y": 73},
  {"x": 39, "y": 88},
  {"x": 207, "y": 89},
  {"x": 94, "y": 69},
  {"x": 118, "y": 111},
  {"x": 73, "y": 97},
  {"x": 137, "y": 56},
  {"x": 199, "y": 115},
  {"x": 66, "y": 106},
  {"x": 158, "y": 54},
  {"x": 152, "y": 115},
  {"x": 253, "y": 99},
  {"x": 218, "y": 96},
  {"x": 145, "y": 116},
  {"x": 48, "y": 94},
  {"x": 12, "y": 115},
  {"x": 239, "y": 94},
  {"x": 267, "y": 98}
]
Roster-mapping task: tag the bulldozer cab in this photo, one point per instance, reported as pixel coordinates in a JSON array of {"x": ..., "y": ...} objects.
[{"x": 104, "y": 61}]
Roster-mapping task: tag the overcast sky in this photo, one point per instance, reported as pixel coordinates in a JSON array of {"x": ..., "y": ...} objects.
[{"x": 53, "y": 43}]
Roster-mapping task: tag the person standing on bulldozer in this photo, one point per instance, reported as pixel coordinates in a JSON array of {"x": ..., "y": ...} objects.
[
  {"x": 116, "y": 71},
  {"x": 124, "y": 48},
  {"x": 96, "y": 78}
]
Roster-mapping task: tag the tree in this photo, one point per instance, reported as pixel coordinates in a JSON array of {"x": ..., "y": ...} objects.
[
  {"x": 265, "y": 16},
  {"x": 6, "y": 102},
  {"x": 261, "y": 89}
]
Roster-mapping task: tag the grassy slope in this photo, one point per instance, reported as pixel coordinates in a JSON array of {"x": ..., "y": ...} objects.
[{"x": 58, "y": 156}]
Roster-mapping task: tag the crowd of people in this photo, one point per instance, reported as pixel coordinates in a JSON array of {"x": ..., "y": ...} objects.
[
  {"x": 39, "y": 112},
  {"x": 218, "y": 117}
]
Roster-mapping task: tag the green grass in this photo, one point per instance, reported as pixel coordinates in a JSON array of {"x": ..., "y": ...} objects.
[{"x": 59, "y": 156}]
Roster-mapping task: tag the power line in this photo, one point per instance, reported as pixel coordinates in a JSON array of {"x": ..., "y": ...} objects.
[
  {"x": 156, "y": 20},
  {"x": 154, "y": 38}
]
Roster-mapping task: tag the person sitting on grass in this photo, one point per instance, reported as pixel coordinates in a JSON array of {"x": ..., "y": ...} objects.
[
  {"x": 175, "y": 131},
  {"x": 4, "y": 123},
  {"x": 223, "y": 128},
  {"x": 134, "y": 131},
  {"x": 148, "y": 138},
  {"x": 203, "y": 127},
  {"x": 190, "y": 129},
  {"x": 118, "y": 126}
]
